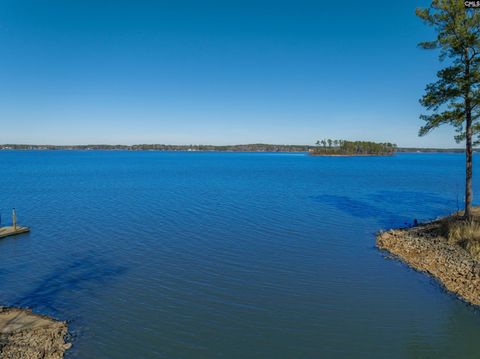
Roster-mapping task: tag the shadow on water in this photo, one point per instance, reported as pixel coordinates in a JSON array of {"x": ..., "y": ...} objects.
[
  {"x": 412, "y": 198},
  {"x": 392, "y": 208},
  {"x": 80, "y": 274}
]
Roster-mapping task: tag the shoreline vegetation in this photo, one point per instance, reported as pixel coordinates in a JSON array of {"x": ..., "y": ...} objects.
[
  {"x": 331, "y": 147},
  {"x": 27, "y": 335},
  {"x": 447, "y": 248},
  {"x": 256, "y": 147}
]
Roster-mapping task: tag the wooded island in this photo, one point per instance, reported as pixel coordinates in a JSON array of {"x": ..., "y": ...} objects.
[{"x": 352, "y": 148}]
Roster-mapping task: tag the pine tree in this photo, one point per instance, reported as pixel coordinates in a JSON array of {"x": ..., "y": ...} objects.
[{"x": 454, "y": 98}]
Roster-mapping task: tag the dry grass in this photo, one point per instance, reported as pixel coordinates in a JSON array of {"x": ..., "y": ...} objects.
[
  {"x": 474, "y": 248},
  {"x": 463, "y": 233}
]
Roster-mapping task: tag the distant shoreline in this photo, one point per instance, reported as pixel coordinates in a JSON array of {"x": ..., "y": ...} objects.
[{"x": 209, "y": 148}]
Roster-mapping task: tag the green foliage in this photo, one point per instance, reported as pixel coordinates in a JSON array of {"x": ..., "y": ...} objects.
[
  {"x": 342, "y": 147},
  {"x": 457, "y": 89},
  {"x": 455, "y": 97}
]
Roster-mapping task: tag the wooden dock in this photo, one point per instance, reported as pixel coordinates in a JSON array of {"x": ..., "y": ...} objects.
[{"x": 12, "y": 231}]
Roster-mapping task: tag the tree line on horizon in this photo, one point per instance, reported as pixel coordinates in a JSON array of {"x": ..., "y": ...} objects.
[
  {"x": 255, "y": 147},
  {"x": 344, "y": 147},
  {"x": 213, "y": 148}
]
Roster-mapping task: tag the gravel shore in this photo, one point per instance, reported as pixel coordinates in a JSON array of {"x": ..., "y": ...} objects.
[
  {"x": 25, "y": 335},
  {"x": 425, "y": 249}
]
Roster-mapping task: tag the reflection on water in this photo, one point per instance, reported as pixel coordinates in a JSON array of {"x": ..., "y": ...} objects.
[{"x": 206, "y": 255}]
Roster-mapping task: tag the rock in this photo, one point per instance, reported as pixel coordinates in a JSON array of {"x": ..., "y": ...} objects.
[
  {"x": 450, "y": 264},
  {"x": 25, "y": 335}
]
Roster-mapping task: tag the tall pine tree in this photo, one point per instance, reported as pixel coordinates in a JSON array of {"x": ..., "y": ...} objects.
[{"x": 455, "y": 97}]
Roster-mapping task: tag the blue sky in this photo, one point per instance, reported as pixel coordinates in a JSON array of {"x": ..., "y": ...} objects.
[{"x": 213, "y": 72}]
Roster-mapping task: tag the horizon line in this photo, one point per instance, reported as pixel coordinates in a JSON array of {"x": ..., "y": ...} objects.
[{"x": 209, "y": 145}]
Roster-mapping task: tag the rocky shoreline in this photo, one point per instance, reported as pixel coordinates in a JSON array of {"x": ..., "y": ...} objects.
[
  {"x": 425, "y": 249},
  {"x": 25, "y": 335}
]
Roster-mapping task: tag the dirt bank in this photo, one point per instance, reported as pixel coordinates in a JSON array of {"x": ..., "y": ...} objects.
[
  {"x": 425, "y": 249},
  {"x": 25, "y": 335}
]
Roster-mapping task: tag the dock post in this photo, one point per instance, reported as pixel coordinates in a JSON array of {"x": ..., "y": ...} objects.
[{"x": 14, "y": 219}]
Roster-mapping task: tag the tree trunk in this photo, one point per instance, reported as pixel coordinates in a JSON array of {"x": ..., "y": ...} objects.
[
  {"x": 468, "y": 142},
  {"x": 468, "y": 174}
]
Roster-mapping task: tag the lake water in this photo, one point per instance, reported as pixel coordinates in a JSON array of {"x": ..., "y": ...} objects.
[{"x": 225, "y": 255}]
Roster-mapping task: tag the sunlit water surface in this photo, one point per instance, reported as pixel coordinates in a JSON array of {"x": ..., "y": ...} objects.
[{"x": 223, "y": 255}]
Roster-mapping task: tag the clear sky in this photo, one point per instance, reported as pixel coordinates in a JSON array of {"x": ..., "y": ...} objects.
[{"x": 213, "y": 72}]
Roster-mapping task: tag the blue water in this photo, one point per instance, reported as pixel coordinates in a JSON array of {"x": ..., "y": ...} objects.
[{"x": 224, "y": 255}]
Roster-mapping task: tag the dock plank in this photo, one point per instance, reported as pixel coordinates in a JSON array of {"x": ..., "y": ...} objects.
[{"x": 11, "y": 231}]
